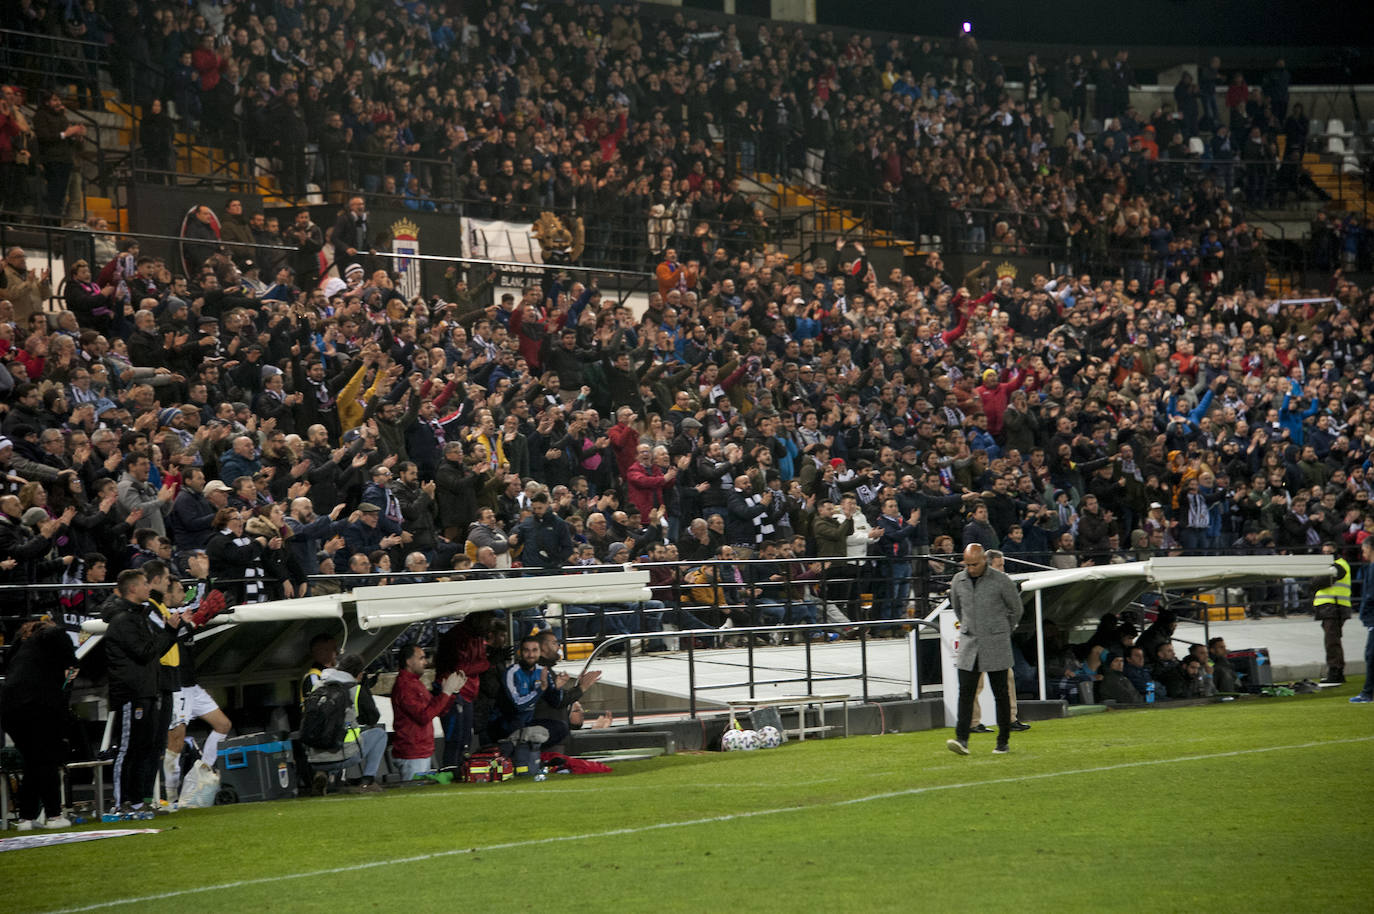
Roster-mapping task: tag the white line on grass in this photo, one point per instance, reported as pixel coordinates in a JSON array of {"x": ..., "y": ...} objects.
[{"x": 708, "y": 820}]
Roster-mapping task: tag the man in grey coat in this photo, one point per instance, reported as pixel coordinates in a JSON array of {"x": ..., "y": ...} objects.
[{"x": 988, "y": 607}]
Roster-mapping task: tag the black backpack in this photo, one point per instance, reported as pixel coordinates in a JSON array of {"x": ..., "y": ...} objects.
[{"x": 324, "y": 717}]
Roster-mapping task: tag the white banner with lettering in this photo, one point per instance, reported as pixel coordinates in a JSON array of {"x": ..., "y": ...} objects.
[{"x": 497, "y": 239}]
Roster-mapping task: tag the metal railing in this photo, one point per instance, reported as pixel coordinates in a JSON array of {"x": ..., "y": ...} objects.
[
  {"x": 46, "y": 238},
  {"x": 752, "y": 635},
  {"x": 972, "y": 231}
]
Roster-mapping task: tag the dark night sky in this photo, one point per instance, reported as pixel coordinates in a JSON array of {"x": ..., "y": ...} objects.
[{"x": 1118, "y": 22}]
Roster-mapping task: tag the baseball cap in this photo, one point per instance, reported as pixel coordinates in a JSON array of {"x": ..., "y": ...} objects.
[{"x": 216, "y": 485}]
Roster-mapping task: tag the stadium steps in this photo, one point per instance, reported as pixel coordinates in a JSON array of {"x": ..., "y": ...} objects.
[
  {"x": 105, "y": 208},
  {"x": 1278, "y": 285},
  {"x": 1348, "y": 192},
  {"x": 818, "y": 218},
  {"x": 1218, "y": 611}
]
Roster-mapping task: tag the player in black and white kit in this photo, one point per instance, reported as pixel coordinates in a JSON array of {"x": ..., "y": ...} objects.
[{"x": 191, "y": 701}]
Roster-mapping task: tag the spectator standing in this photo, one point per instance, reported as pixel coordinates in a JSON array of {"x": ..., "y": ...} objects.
[
  {"x": 191, "y": 520},
  {"x": 58, "y": 143},
  {"x": 236, "y": 558},
  {"x": 26, "y": 289},
  {"x": 543, "y": 538}
]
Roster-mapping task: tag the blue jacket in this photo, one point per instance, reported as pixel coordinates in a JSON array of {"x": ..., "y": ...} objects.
[
  {"x": 306, "y": 539},
  {"x": 190, "y": 520},
  {"x": 520, "y": 692},
  {"x": 359, "y": 537},
  {"x": 1366, "y": 607},
  {"x": 544, "y": 542},
  {"x": 1291, "y": 419},
  {"x": 232, "y": 466},
  {"x": 897, "y": 536}
]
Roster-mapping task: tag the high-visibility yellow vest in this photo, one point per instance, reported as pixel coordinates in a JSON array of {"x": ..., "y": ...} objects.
[
  {"x": 351, "y": 734},
  {"x": 1338, "y": 591}
]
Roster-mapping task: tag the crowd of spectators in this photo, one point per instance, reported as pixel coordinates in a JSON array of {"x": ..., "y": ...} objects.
[
  {"x": 1110, "y": 408},
  {"x": 755, "y": 408},
  {"x": 614, "y": 114}
]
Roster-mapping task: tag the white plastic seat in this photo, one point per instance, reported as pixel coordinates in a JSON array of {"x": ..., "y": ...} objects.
[
  {"x": 1335, "y": 145},
  {"x": 1195, "y": 147},
  {"x": 1336, "y": 127}
]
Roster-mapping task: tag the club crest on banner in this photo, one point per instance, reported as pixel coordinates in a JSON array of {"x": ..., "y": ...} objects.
[{"x": 405, "y": 242}]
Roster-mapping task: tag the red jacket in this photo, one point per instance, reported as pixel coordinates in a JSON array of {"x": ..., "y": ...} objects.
[
  {"x": 625, "y": 443},
  {"x": 414, "y": 709},
  {"x": 459, "y": 649},
  {"x": 529, "y": 333},
  {"x": 995, "y": 399},
  {"x": 647, "y": 485}
]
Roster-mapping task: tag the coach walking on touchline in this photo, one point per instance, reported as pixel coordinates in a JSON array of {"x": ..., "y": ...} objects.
[{"x": 988, "y": 607}]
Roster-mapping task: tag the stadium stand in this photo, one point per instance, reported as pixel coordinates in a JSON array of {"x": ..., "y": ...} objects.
[{"x": 1041, "y": 319}]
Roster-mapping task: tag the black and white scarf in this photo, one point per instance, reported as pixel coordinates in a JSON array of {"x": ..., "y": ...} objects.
[
  {"x": 763, "y": 524},
  {"x": 253, "y": 575},
  {"x": 1198, "y": 515}
]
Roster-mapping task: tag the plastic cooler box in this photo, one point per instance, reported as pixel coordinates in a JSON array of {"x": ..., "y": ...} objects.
[
  {"x": 1253, "y": 669},
  {"x": 255, "y": 767}
]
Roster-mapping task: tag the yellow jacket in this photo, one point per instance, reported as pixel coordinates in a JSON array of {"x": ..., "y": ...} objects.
[{"x": 353, "y": 399}]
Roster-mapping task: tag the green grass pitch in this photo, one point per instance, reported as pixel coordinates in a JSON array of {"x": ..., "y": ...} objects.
[{"x": 1265, "y": 805}]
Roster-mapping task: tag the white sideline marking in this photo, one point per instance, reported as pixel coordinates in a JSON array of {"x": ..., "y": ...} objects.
[{"x": 708, "y": 820}]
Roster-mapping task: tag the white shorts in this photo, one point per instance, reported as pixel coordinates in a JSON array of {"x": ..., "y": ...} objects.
[{"x": 190, "y": 703}]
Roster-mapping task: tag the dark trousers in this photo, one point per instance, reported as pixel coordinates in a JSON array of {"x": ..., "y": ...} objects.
[
  {"x": 1368, "y": 690},
  {"x": 136, "y": 758},
  {"x": 1335, "y": 653},
  {"x": 162, "y": 723},
  {"x": 968, "y": 690},
  {"x": 558, "y": 730},
  {"x": 840, "y": 583},
  {"x": 39, "y": 740},
  {"x": 56, "y": 175},
  {"x": 457, "y": 723}
]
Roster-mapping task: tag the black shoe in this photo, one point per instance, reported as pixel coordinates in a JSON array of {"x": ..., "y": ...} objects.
[
  {"x": 957, "y": 746},
  {"x": 1002, "y": 749},
  {"x": 1333, "y": 679},
  {"x": 980, "y": 728},
  {"x": 319, "y": 784},
  {"x": 1018, "y": 726}
]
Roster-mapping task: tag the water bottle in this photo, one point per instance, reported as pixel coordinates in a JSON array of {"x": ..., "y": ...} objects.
[{"x": 1150, "y": 693}]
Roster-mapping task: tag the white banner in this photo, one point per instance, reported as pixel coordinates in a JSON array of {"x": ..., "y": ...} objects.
[
  {"x": 496, "y": 239},
  {"x": 405, "y": 241},
  {"x": 48, "y": 839}
]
